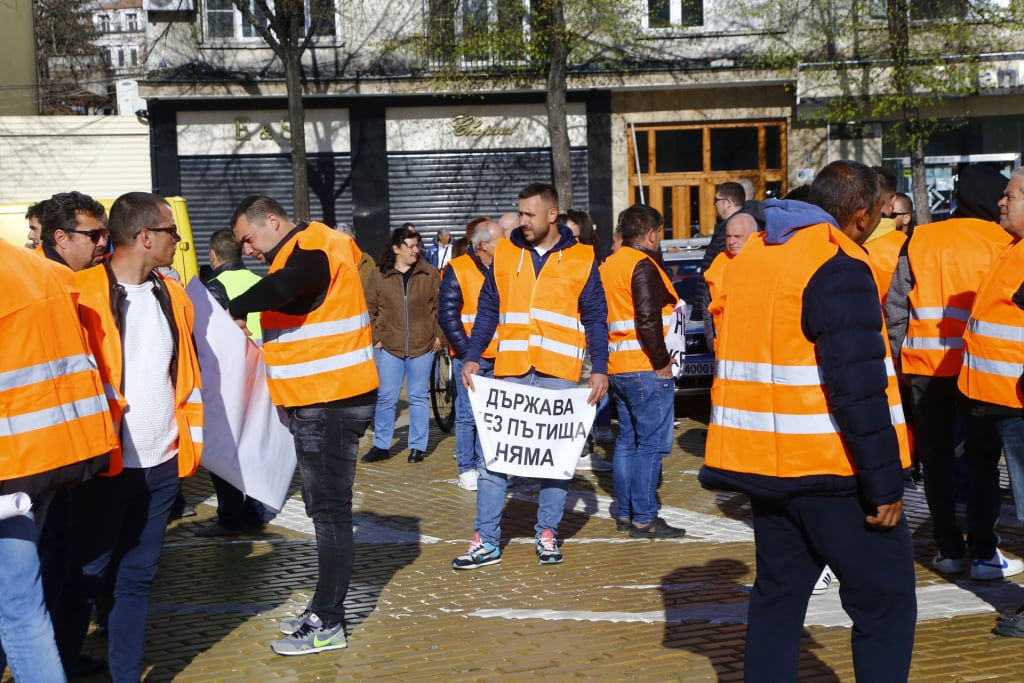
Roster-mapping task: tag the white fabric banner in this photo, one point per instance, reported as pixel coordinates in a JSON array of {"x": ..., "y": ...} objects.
[
  {"x": 245, "y": 436},
  {"x": 530, "y": 432},
  {"x": 675, "y": 340},
  {"x": 14, "y": 504}
]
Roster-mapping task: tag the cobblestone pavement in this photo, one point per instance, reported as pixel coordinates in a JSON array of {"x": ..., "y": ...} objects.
[{"x": 617, "y": 609}]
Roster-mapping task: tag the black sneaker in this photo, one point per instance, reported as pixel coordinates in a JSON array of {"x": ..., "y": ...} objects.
[
  {"x": 376, "y": 454},
  {"x": 659, "y": 528},
  {"x": 1012, "y": 627},
  {"x": 623, "y": 525}
]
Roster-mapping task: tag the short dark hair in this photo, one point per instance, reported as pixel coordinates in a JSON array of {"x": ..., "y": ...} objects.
[
  {"x": 60, "y": 212},
  {"x": 886, "y": 179},
  {"x": 225, "y": 246},
  {"x": 637, "y": 221},
  {"x": 256, "y": 207},
  {"x": 133, "y": 212},
  {"x": 546, "y": 191},
  {"x": 734, "y": 192},
  {"x": 36, "y": 211},
  {"x": 843, "y": 188}
]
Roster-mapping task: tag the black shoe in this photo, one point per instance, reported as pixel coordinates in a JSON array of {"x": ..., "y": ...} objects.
[
  {"x": 656, "y": 529},
  {"x": 416, "y": 455},
  {"x": 89, "y": 666},
  {"x": 623, "y": 525},
  {"x": 376, "y": 454},
  {"x": 1012, "y": 627}
]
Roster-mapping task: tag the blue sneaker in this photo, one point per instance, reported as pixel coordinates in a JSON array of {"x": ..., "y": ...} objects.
[
  {"x": 480, "y": 554},
  {"x": 547, "y": 548}
]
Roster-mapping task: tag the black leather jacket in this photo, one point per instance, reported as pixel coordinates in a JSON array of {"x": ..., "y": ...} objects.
[{"x": 649, "y": 296}]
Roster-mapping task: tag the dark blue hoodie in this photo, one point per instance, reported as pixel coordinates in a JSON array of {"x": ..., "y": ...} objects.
[
  {"x": 592, "y": 305},
  {"x": 842, "y": 317}
]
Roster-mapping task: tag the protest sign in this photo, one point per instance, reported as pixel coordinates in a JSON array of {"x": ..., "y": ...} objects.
[
  {"x": 675, "y": 340},
  {"x": 245, "y": 436},
  {"x": 530, "y": 432}
]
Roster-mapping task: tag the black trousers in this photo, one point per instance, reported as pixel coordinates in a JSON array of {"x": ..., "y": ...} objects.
[{"x": 794, "y": 539}]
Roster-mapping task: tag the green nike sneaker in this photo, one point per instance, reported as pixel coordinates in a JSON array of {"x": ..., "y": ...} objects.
[{"x": 312, "y": 637}]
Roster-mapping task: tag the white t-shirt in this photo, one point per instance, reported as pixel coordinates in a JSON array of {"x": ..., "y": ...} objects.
[{"x": 149, "y": 430}]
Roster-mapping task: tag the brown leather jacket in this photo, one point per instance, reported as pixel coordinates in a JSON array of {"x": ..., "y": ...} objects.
[{"x": 404, "y": 322}]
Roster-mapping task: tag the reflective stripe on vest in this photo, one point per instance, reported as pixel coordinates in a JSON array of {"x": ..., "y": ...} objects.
[
  {"x": 327, "y": 354},
  {"x": 948, "y": 259},
  {"x": 994, "y": 338},
  {"x": 771, "y": 414}
]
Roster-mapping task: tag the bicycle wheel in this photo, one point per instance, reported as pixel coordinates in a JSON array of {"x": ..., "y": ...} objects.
[{"x": 442, "y": 391}]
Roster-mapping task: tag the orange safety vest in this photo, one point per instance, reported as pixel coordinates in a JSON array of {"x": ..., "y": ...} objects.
[
  {"x": 538, "y": 314},
  {"x": 471, "y": 281},
  {"x": 883, "y": 253},
  {"x": 994, "y": 339},
  {"x": 714, "y": 277},
  {"x": 326, "y": 354},
  {"x": 948, "y": 259},
  {"x": 53, "y": 411},
  {"x": 105, "y": 335},
  {"x": 625, "y": 353},
  {"x": 770, "y": 413}
]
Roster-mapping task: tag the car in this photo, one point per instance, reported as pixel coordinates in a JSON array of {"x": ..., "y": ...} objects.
[{"x": 682, "y": 259}]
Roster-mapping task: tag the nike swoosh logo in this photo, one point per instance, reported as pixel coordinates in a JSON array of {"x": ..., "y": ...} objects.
[{"x": 320, "y": 643}]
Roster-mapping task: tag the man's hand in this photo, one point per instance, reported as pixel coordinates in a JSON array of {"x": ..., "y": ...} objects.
[
  {"x": 887, "y": 515},
  {"x": 469, "y": 368},
  {"x": 666, "y": 372},
  {"x": 598, "y": 387},
  {"x": 241, "y": 323}
]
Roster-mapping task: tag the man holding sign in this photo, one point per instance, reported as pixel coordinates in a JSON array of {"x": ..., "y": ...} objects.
[
  {"x": 542, "y": 292},
  {"x": 641, "y": 299}
]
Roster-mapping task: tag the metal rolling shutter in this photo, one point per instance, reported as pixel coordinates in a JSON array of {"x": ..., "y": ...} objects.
[
  {"x": 435, "y": 190},
  {"x": 213, "y": 186}
]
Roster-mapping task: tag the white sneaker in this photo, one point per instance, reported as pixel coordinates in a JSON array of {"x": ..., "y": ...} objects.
[
  {"x": 998, "y": 567},
  {"x": 825, "y": 581},
  {"x": 467, "y": 480},
  {"x": 949, "y": 565}
]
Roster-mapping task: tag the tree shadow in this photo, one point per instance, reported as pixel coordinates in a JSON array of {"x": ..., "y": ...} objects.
[{"x": 706, "y": 613}]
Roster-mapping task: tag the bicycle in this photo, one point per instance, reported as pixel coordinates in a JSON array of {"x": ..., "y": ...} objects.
[{"x": 442, "y": 390}]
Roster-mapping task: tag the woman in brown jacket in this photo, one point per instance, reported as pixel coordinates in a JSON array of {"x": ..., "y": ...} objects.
[{"x": 401, "y": 297}]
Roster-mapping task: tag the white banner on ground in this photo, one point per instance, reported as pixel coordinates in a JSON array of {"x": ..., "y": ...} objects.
[
  {"x": 530, "y": 432},
  {"x": 675, "y": 340},
  {"x": 245, "y": 436}
]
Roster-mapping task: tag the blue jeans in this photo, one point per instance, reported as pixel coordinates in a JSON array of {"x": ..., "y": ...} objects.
[
  {"x": 118, "y": 526},
  {"x": 646, "y": 405},
  {"x": 25, "y": 628},
  {"x": 416, "y": 372},
  {"x": 492, "y": 486},
  {"x": 326, "y": 443},
  {"x": 467, "y": 444},
  {"x": 1011, "y": 433}
]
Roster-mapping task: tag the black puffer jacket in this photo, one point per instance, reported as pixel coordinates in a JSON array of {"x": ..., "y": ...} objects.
[{"x": 449, "y": 307}]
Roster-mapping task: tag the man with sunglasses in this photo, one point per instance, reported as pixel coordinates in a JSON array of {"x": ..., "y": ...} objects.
[
  {"x": 74, "y": 230},
  {"x": 140, "y": 325}
]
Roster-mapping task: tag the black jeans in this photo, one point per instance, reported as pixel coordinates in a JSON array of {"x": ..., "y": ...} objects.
[
  {"x": 235, "y": 510},
  {"x": 326, "y": 445}
]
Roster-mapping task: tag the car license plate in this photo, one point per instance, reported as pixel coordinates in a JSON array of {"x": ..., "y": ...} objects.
[{"x": 699, "y": 369}]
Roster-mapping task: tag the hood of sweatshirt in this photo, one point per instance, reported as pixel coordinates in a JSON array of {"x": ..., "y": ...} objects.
[{"x": 783, "y": 217}]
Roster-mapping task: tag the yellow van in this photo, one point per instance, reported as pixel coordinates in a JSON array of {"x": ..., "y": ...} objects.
[{"x": 14, "y": 229}]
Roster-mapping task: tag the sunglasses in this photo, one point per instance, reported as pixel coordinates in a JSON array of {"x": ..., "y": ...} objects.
[
  {"x": 94, "y": 235},
  {"x": 173, "y": 230}
]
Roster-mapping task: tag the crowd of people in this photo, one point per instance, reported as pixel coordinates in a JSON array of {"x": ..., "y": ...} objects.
[{"x": 846, "y": 338}]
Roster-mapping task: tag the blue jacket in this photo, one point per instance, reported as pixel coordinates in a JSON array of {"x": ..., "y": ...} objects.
[
  {"x": 842, "y": 317},
  {"x": 592, "y": 305},
  {"x": 449, "y": 307}
]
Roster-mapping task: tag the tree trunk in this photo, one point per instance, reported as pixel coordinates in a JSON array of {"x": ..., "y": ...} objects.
[
  {"x": 297, "y": 125},
  {"x": 558, "y": 126},
  {"x": 922, "y": 207}
]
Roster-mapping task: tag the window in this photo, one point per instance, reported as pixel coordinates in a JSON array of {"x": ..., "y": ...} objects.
[
  {"x": 120, "y": 57},
  {"x": 131, "y": 22},
  {"x": 103, "y": 23},
  {"x": 134, "y": 56},
  {"x": 468, "y": 28},
  {"x": 672, "y": 13},
  {"x": 224, "y": 21}
]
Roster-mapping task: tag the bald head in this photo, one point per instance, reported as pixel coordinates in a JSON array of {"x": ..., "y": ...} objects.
[
  {"x": 739, "y": 228},
  {"x": 508, "y": 222}
]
